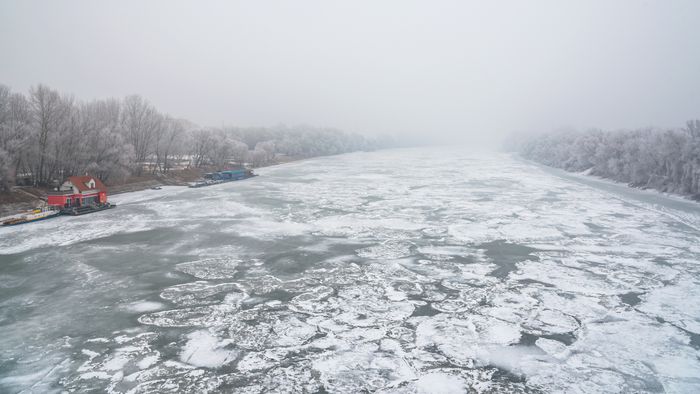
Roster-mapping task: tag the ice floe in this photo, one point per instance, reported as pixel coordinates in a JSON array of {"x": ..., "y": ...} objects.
[{"x": 406, "y": 271}]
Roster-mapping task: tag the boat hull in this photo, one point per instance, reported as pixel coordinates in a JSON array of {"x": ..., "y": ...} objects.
[
  {"x": 219, "y": 182},
  {"x": 19, "y": 221},
  {"x": 78, "y": 211}
]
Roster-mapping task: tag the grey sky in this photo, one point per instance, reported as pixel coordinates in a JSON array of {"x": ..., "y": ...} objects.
[{"x": 440, "y": 67}]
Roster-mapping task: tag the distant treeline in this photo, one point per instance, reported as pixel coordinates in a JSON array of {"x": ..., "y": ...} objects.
[
  {"x": 665, "y": 160},
  {"x": 46, "y": 136}
]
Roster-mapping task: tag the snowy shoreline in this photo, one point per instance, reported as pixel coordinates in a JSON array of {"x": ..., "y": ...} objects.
[
  {"x": 10, "y": 210},
  {"x": 586, "y": 175}
]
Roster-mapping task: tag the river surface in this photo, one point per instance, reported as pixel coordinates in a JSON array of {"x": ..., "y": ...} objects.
[{"x": 401, "y": 271}]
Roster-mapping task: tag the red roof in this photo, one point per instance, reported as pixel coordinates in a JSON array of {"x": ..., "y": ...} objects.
[{"x": 80, "y": 182}]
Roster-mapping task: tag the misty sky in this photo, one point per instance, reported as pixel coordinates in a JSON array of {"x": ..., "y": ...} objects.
[{"x": 435, "y": 67}]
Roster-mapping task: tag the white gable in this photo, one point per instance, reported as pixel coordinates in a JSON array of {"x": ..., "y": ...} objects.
[{"x": 67, "y": 186}]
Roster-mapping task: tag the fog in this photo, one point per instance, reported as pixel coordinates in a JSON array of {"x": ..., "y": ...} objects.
[
  {"x": 324, "y": 196},
  {"x": 448, "y": 70}
]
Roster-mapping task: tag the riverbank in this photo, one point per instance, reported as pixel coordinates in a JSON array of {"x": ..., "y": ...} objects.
[
  {"x": 613, "y": 184},
  {"x": 22, "y": 198}
]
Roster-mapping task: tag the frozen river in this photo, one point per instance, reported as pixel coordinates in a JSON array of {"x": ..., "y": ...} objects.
[{"x": 396, "y": 271}]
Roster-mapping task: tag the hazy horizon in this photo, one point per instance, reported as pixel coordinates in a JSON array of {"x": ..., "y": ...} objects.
[{"x": 455, "y": 71}]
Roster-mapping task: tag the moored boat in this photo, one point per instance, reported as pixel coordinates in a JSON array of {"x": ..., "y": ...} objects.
[
  {"x": 215, "y": 178},
  {"x": 85, "y": 209},
  {"x": 31, "y": 216}
]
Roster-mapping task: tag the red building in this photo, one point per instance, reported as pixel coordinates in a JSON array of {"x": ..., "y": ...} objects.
[{"x": 78, "y": 191}]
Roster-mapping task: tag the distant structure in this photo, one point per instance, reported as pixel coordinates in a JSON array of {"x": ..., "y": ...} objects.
[
  {"x": 79, "y": 191},
  {"x": 215, "y": 178},
  {"x": 229, "y": 175}
]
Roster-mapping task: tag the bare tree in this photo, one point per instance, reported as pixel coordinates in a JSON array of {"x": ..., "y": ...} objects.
[
  {"x": 140, "y": 122},
  {"x": 666, "y": 160},
  {"x": 49, "y": 112},
  {"x": 268, "y": 149},
  {"x": 46, "y": 136},
  {"x": 168, "y": 140},
  {"x": 201, "y": 142},
  {"x": 239, "y": 151}
]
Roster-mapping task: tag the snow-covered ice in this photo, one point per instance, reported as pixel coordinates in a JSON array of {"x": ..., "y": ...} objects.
[{"x": 403, "y": 271}]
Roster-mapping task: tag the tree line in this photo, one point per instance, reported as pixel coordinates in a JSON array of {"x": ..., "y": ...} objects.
[
  {"x": 665, "y": 160},
  {"x": 46, "y": 136}
]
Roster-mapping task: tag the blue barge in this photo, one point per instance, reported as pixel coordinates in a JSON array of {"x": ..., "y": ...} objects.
[{"x": 215, "y": 178}]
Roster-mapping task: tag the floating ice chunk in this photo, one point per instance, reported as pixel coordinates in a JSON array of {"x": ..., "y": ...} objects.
[
  {"x": 148, "y": 361},
  {"x": 295, "y": 378},
  {"x": 403, "y": 334},
  {"x": 390, "y": 250},
  {"x": 312, "y": 301},
  {"x": 172, "y": 376},
  {"x": 211, "y": 268},
  {"x": 515, "y": 230},
  {"x": 235, "y": 298},
  {"x": 204, "y": 316},
  {"x": 197, "y": 293},
  {"x": 529, "y": 231},
  {"x": 270, "y": 330},
  {"x": 104, "y": 340},
  {"x": 463, "y": 339},
  {"x": 440, "y": 383},
  {"x": 552, "y": 321},
  {"x": 110, "y": 363},
  {"x": 89, "y": 353},
  {"x": 259, "y": 227},
  {"x": 434, "y": 231},
  {"x": 261, "y": 285},
  {"x": 362, "y": 369},
  {"x": 468, "y": 299},
  {"x": 255, "y": 361},
  {"x": 290, "y": 331},
  {"x": 409, "y": 288},
  {"x": 205, "y": 350},
  {"x": 566, "y": 278},
  {"x": 431, "y": 292},
  {"x": 393, "y": 294},
  {"x": 144, "y": 306},
  {"x": 676, "y": 303},
  {"x": 366, "y": 306},
  {"x": 116, "y": 363},
  {"x": 610, "y": 358},
  {"x": 473, "y": 232},
  {"x": 437, "y": 252},
  {"x": 95, "y": 375},
  {"x": 356, "y": 335},
  {"x": 453, "y": 305},
  {"x": 553, "y": 348},
  {"x": 581, "y": 306},
  {"x": 353, "y": 225}
]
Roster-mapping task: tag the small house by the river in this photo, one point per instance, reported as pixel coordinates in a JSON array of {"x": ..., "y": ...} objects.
[{"x": 78, "y": 191}]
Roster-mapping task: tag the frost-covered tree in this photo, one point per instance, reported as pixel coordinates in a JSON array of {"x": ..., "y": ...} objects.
[
  {"x": 46, "y": 136},
  {"x": 666, "y": 160},
  {"x": 168, "y": 143},
  {"x": 50, "y": 113},
  {"x": 257, "y": 157},
  {"x": 141, "y": 124},
  {"x": 6, "y": 175},
  {"x": 15, "y": 123}
]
